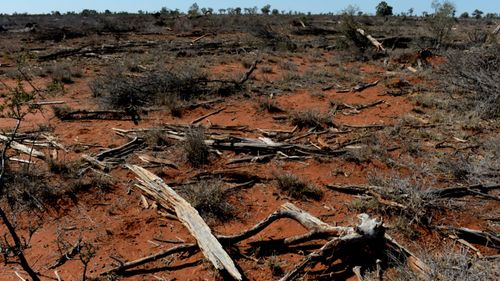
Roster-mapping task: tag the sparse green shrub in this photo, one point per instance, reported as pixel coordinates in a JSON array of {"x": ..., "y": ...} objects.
[
  {"x": 297, "y": 188},
  {"x": 442, "y": 21}
]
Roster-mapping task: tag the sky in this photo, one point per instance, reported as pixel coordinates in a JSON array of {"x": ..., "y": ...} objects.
[{"x": 314, "y": 6}]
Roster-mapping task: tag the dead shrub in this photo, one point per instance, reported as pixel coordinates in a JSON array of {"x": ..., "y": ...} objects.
[
  {"x": 420, "y": 205},
  {"x": 210, "y": 200},
  {"x": 310, "y": 119},
  {"x": 297, "y": 188},
  {"x": 117, "y": 90},
  {"x": 197, "y": 152},
  {"x": 475, "y": 74},
  {"x": 269, "y": 105},
  {"x": 272, "y": 38},
  {"x": 449, "y": 265}
]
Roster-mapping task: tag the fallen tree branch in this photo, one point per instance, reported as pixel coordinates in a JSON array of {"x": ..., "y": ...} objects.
[
  {"x": 209, "y": 245},
  {"x": 121, "y": 150},
  {"x": 199, "y": 119},
  {"x": 484, "y": 238},
  {"x": 367, "y": 232},
  {"x": 23, "y": 148},
  {"x": 372, "y": 40}
]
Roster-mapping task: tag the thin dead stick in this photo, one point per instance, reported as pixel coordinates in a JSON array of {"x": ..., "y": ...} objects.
[{"x": 199, "y": 119}]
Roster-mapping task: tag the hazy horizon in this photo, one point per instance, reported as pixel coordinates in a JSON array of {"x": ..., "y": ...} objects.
[{"x": 314, "y": 6}]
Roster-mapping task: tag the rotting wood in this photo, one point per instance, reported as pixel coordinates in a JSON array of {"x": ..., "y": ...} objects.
[
  {"x": 372, "y": 40},
  {"x": 415, "y": 263},
  {"x": 96, "y": 163},
  {"x": 159, "y": 161},
  {"x": 368, "y": 231},
  {"x": 287, "y": 210},
  {"x": 362, "y": 86},
  {"x": 121, "y": 150},
  {"x": 484, "y": 238},
  {"x": 259, "y": 159},
  {"x": 23, "y": 148},
  {"x": 453, "y": 192},
  {"x": 207, "y": 242}
]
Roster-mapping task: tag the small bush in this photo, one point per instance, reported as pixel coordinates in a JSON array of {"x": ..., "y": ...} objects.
[
  {"x": 210, "y": 200},
  {"x": 120, "y": 91},
  {"x": 310, "y": 119},
  {"x": 269, "y": 105},
  {"x": 156, "y": 138},
  {"x": 296, "y": 188},
  {"x": 449, "y": 265},
  {"x": 62, "y": 72},
  {"x": 197, "y": 151},
  {"x": 476, "y": 76},
  {"x": 266, "y": 69},
  {"x": 420, "y": 205}
]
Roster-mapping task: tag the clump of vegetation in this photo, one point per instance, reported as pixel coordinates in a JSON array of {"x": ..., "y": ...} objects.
[
  {"x": 210, "y": 200},
  {"x": 476, "y": 76},
  {"x": 269, "y": 105},
  {"x": 348, "y": 28},
  {"x": 64, "y": 72},
  {"x": 441, "y": 22},
  {"x": 310, "y": 119},
  {"x": 156, "y": 138},
  {"x": 297, "y": 188},
  {"x": 420, "y": 205},
  {"x": 450, "y": 265},
  {"x": 117, "y": 90},
  {"x": 197, "y": 151},
  {"x": 273, "y": 39}
]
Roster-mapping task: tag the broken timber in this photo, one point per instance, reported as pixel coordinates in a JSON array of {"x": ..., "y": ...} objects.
[
  {"x": 372, "y": 40},
  {"x": 209, "y": 245},
  {"x": 23, "y": 148}
]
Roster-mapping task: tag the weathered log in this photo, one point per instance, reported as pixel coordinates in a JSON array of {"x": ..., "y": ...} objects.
[
  {"x": 23, "y": 148},
  {"x": 484, "y": 238},
  {"x": 372, "y": 40},
  {"x": 207, "y": 242},
  {"x": 415, "y": 263},
  {"x": 453, "y": 192},
  {"x": 361, "y": 86},
  {"x": 287, "y": 210},
  {"x": 368, "y": 231},
  {"x": 121, "y": 150},
  {"x": 96, "y": 163},
  {"x": 154, "y": 160}
]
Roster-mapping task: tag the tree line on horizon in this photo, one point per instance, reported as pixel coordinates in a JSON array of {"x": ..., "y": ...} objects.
[{"x": 382, "y": 9}]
